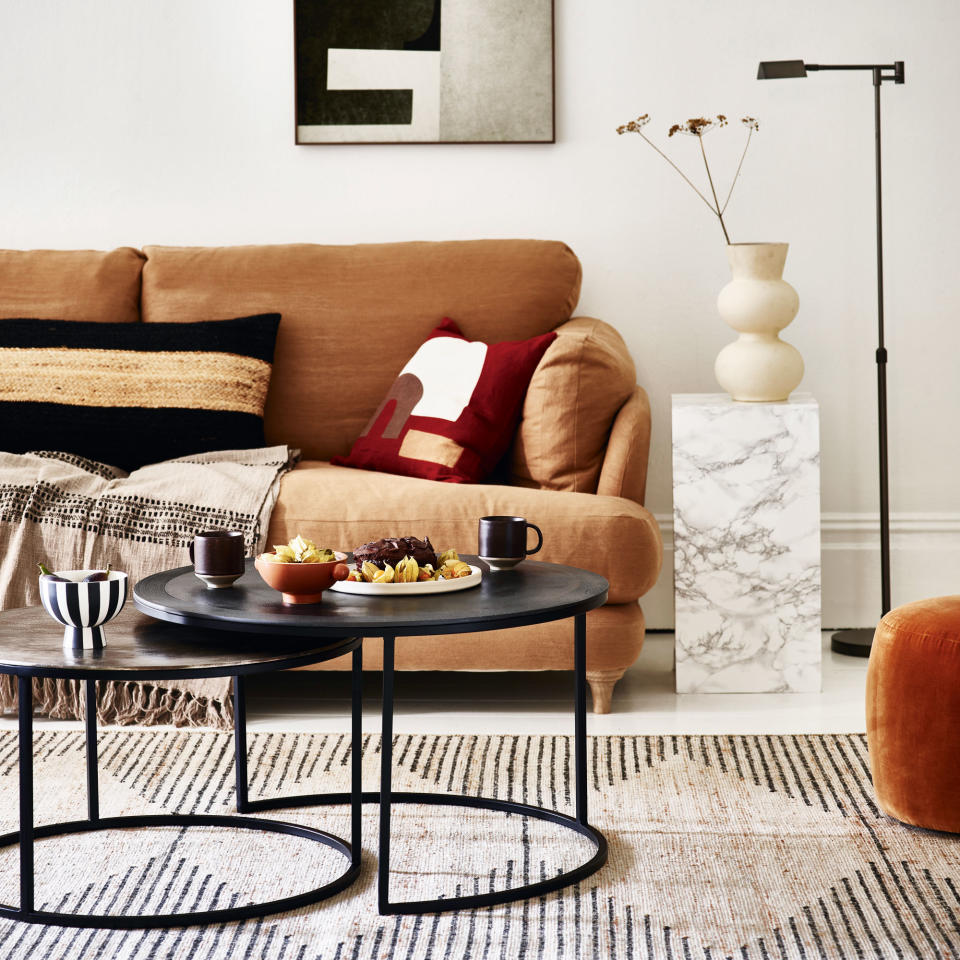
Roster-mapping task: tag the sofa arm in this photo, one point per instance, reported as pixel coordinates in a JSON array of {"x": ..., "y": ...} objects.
[
  {"x": 624, "y": 469},
  {"x": 584, "y": 378}
]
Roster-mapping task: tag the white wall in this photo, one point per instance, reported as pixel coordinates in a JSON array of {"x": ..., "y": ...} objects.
[{"x": 172, "y": 122}]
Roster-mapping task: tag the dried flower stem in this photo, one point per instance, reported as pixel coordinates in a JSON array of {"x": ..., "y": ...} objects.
[
  {"x": 716, "y": 203},
  {"x": 737, "y": 174},
  {"x": 675, "y": 167},
  {"x": 697, "y": 127}
]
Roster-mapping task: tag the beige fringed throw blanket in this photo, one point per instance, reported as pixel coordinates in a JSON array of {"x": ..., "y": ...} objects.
[{"x": 74, "y": 513}]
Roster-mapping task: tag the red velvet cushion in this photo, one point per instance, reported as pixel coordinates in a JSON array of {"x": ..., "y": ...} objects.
[{"x": 452, "y": 412}]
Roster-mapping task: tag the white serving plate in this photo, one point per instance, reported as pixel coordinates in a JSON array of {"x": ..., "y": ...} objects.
[{"x": 417, "y": 589}]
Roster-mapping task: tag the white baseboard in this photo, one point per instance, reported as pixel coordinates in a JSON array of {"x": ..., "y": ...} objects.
[{"x": 924, "y": 555}]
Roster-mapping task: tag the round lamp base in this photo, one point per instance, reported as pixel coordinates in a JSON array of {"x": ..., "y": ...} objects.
[{"x": 853, "y": 643}]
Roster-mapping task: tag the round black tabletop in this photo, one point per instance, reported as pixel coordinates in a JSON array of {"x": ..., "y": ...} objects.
[
  {"x": 529, "y": 593},
  {"x": 141, "y": 647}
]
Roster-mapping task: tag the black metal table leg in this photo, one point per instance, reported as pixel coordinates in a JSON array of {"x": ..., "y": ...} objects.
[
  {"x": 580, "y": 713},
  {"x": 356, "y": 755},
  {"x": 240, "y": 743},
  {"x": 578, "y": 824},
  {"x": 93, "y": 780},
  {"x": 386, "y": 775},
  {"x": 25, "y": 698},
  {"x": 355, "y": 797}
]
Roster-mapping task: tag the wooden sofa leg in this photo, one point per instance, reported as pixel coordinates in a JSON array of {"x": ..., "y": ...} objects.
[{"x": 602, "y": 683}]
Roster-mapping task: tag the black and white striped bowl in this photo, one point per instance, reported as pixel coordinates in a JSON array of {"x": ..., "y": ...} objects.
[{"x": 83, "y": 607}]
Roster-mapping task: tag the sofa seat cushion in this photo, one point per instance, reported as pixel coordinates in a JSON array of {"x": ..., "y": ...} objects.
[
  {"x": 354, "y": 315},
  {"x": 98, "y": 285},
  {"x": 342, "y": 508}
]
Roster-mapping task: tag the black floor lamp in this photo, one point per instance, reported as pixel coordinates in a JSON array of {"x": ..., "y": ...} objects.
[{"x": 857, "y": 642}]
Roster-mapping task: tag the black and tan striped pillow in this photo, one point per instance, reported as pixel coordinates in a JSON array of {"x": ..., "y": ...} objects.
[{"x": 128, "y": 394}]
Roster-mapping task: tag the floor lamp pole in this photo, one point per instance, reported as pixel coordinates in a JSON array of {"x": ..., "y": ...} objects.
[
  {"x": 857, "y": 642},
  {"x": 881, "y": 372}
]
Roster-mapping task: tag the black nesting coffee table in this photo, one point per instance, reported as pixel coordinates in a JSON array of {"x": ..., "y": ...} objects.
[
  {"x": 142, "y": 648},
  {"x": 529, "y": 594}
]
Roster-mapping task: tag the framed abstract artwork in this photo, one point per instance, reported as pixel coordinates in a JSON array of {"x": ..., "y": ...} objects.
[{"x": 424, "y": 71}]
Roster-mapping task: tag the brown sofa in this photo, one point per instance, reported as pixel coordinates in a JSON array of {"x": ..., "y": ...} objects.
[{"x": 351, "y": 317}]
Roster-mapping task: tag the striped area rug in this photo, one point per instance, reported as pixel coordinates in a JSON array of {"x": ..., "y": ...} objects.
[{"x": 721, "y": 847}]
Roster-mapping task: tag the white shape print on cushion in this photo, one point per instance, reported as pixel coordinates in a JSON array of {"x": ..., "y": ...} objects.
[{"x": 449, "y": 369}]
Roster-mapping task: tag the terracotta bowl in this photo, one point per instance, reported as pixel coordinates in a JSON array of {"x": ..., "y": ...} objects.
[{"x": 302, "y": 582}]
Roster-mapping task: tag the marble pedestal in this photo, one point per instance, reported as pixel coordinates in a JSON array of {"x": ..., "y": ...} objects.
[{"x": 746, "y": 532}]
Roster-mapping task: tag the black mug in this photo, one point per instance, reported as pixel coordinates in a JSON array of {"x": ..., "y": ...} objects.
[
  {"x": 502, "y": 541},
  {"x": 217, "y": 556}
]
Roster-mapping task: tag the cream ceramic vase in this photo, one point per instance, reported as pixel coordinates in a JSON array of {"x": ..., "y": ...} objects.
[{"x": 758, "y": 303}]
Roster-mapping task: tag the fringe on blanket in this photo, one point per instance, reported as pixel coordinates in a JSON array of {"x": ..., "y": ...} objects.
[
  {"x": 74, "y": 513},
  {"x": 121, "y": 702}
]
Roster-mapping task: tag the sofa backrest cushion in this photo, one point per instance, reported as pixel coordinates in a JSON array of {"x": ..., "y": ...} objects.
[
  {"x": 130, "y": 394},
  {"x": 98, "y": 285},
  {"x": 353, "y": 315},
  {"x": 584, "y": 378}
]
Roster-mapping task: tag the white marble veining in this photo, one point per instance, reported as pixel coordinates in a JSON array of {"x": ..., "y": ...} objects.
[{"x": 746, "y": 506}]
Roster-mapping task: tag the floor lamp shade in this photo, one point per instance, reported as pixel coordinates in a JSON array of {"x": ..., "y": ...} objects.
[{"x": 781, "y": 69}]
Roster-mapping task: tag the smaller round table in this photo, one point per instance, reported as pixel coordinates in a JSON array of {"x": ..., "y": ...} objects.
[{"x": 142, "y": 648}]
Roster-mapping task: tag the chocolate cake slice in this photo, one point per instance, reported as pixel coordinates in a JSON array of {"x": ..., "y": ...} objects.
[{"x": 393, "y": 549}]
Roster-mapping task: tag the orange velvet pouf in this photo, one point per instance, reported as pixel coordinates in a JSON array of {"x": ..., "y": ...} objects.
[{"x": 913, "y": 713}]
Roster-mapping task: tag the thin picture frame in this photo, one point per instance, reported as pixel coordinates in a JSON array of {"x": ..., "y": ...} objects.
[{"x": 549, "y": 30}]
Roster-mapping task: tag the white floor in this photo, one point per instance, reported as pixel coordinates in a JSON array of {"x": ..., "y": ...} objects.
[{"x": 643, "y": 702}]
